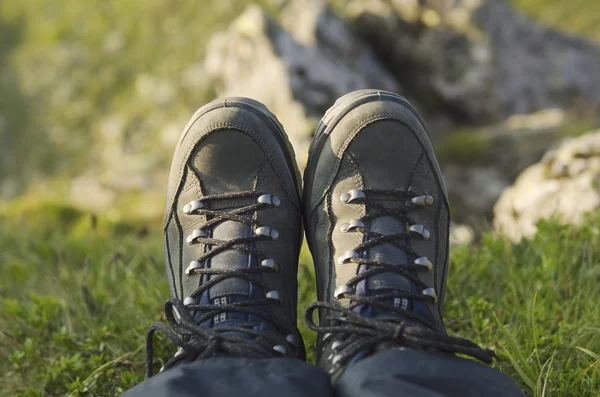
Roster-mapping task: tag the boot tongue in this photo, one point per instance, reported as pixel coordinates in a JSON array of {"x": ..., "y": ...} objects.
[
  {"x": 390, "y": 282},
  {"x": 232, "y": 289},
  {"x": 230, "y": 259},
  {"x": 387, "y": 225}
]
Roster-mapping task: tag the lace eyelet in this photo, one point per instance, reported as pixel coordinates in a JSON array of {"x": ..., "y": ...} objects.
[
  {"x": 266, "y": 231},
  {"x": 196, "y": 234},
  {"x": 294, "y": 340},
  {"x": 270, "y": 264},
  {"x": 352, "y": 226},
  {"x": 280, "y": 349},
  {"x": 269, "y": 199},
  {"x": 347, "y": 256},
  {"x": 335, "y": 345},
  {"x": 352, "y": 195},
  {"x": 192, "y": 207},
  {"x": 341, "y": 291},
  {"x": 424, "y": 262},
  {"x": 273, "y": 296},
  {"x": 420, "y": 229},
  {"x": 423, "y": 200},
  {"x": 189, "y": 301},
  {"x": 431, "y": 293},
  {"x": 194, "y": 265}
]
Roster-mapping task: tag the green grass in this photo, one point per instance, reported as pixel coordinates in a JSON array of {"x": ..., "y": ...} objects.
[
  {"x": 580, "y": 17},
  {"x": 78, "y": 292}
]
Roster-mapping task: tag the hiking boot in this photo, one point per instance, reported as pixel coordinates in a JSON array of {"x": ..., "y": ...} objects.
[
  {"x": 232, "y": 235},
  {"x": 377, "y": 222}
]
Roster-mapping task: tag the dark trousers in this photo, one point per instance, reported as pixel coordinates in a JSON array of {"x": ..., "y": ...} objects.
[{"x": 390, "y": 373}]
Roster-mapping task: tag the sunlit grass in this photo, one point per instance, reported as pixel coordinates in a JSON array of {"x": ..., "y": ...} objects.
[
  {"x": 78, "y": 292},
  {"x": 575, "y": 16}
]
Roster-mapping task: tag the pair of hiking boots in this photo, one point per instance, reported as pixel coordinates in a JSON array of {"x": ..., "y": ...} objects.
[{"x": 376, "y": 215}]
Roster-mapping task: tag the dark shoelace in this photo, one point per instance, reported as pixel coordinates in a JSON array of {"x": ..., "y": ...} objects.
[
  {"x": 196, "y": 342},
  {"x": 355, "y": 333},
  {"x": 362, "y": 333}
]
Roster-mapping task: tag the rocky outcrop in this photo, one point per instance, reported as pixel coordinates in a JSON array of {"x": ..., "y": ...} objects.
[
  {"x": 466, "y": 64},
  {"x": 480, "y": 61},
  {"x": 462, "y": 62},
  {"x": 298, "y": 73},
  {"x": 565, "y": 184}
]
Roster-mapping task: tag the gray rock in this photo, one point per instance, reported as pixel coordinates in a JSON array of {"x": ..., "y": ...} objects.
[
  {"x": 473, "y": 191},
  {"x": 479, "y": 60},
  {"x": 297, "y": 77},
  {"x": 565, "y": 184}
]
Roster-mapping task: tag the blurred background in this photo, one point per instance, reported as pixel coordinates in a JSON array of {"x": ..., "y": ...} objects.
[{"x": 94, "y": 94}]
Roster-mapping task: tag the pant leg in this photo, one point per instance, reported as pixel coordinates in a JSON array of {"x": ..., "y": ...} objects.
[
  {"x": 238, "y": 377},
  {"x": 412, "y": 373}
]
